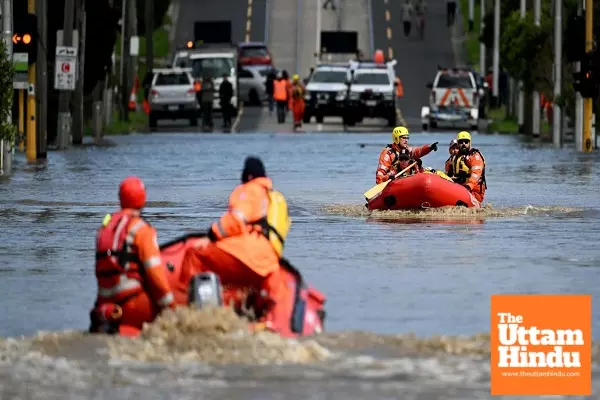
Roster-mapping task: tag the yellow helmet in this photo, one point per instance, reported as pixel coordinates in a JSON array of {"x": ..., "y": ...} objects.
[
  {"x": 399, "y": 132},
  {"x": 296, "y": 77},
  {"x": 464, "y": 135}
]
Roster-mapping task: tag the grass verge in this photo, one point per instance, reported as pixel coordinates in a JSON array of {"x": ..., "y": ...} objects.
[
  {"x": 138, "y": 122},
  {"x": 500, "y": 124},
  {"x": 471, "y": 38}
]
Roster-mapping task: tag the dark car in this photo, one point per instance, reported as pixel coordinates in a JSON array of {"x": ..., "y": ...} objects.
[{"x": 254, "y": 53}]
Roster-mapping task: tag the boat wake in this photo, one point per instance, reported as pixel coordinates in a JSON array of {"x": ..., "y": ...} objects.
[{"x": 447, "y": 213}]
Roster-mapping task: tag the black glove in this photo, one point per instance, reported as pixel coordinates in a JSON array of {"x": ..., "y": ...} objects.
[
  {"x": 392, "y": 177},
  {"x": 433, "y": 146},
  {"x": 419, "y": 162}
]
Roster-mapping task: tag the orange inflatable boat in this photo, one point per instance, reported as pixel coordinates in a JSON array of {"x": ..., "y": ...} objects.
[
  {"x": 301, "y": 314},
  {"x": 429, "y": 189}
]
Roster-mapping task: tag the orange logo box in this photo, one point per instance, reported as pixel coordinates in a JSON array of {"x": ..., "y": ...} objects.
[{"x": 541, "y": 345}]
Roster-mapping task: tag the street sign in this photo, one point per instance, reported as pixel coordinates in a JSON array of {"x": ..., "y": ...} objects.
[
  {"x": 65, "y": 68},
  {"x": 21, "y": 67}
]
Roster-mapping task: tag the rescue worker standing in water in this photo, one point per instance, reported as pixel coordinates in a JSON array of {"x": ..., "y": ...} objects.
[
  {"x": 297, "y": 100},
  {"x": 132, "y": 285},
  {"x": 280, "y": 95},
  {"x": 398, "y": 155},
  {"x": 245, "y": 245},
  {"x": 469, "y": 167},
  {"x": 449, "y": 165}
]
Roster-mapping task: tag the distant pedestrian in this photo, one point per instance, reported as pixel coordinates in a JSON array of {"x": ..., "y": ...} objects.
[
  {"x": 225, "y": 96},
  {"x": 327, "y": 2},
  {"x": 450, "y": 12},
  {"x": 407, "y": 16}
]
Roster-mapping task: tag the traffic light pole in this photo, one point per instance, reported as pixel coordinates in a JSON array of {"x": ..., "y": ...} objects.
[
  {"x": 31, "y": 150},
  {"x": 587, "y": 102},
  {"x": 5, "y": 147},
  {"x": 42, "y": 79}
]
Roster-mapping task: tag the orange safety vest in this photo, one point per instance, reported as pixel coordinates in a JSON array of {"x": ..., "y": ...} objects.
[
  {"x": 280, "y": 90},
  {"x": 399, "y": 88},
  {"x": 117, "y": 265}
]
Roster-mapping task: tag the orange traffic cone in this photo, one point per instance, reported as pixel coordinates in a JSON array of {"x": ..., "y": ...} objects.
[
  {"x": 133, "y": 95},
  {"x": 146, "y": 107}
]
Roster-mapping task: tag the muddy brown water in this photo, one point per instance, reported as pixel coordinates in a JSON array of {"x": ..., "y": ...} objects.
[{"x": 408, "y": 293}]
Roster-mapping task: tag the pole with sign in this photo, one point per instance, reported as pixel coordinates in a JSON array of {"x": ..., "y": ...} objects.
[
  {"x": 65, "y": 68},
  {"x": 21, "y": 83}
]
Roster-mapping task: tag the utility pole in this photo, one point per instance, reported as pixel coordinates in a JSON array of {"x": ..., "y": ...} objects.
[
  {"x": 481, "y": 44},
  {"x": 64, "y": 100},
  {"x": 537, "y": 11},
  {"x": 587, "y": 102},
  {"x": 319, "y": 27},
  {"x": 521, "y": 104},
  {"x": 31, "y": 150},
  {"x": 124, "y": 111},
  {"x": 5, "y": 146},
  {"x": 578, "y": 129},
  {"x": 471, "y": 15},
  {"x": 42, "y": 79},
  {"x": 556, "y": 111},
  {"x": 496, "y": 57},
  {"x": 149, "y": 24},
  {"x": 78, "y": 97}
]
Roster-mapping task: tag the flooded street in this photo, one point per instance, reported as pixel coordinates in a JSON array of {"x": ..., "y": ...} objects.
[{"x": 385, "y": 274}]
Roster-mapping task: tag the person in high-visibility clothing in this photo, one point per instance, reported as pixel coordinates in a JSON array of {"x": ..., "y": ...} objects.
[
  {"x": 469, "y": 167},
  {"x": 245, "y": 245},
  {"x": 298, "y": 105},
  {"x": 132, "y": 285},
  {"x": 280, "y": 95},
  {"x": 399, "y": 88}
]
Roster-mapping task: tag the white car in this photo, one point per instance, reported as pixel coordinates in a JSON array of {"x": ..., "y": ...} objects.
[
  {"x": 372, "y": 92},
  {"x": 252, "y": 83},
  {"x": 454, "y": 99},
  {"x": 326, "y": 92}
]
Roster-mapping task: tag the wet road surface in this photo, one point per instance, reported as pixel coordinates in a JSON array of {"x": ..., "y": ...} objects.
[
  {"x": 383, "y": 275},
  {"x": 418, "y": 60}
]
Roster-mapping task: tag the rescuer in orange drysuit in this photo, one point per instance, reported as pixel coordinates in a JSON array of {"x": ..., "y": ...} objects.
[
  {"x": 449, "y": 165},
  {"x": 236, "y": 248},
  {"x": 398, "y": 155},
  {"x": 469, "y": 167},
  {"x": 297, "y": 100},
  {"x": 132, "y": 286}
]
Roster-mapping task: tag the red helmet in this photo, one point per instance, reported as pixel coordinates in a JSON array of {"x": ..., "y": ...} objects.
[{"x": 132, "y": 193}]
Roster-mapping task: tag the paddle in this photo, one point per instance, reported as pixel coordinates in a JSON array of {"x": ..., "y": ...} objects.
[{"x": 375, "y": 190}]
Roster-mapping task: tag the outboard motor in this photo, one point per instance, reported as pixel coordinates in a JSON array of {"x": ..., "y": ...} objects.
[{"x": 205, "y": 289}]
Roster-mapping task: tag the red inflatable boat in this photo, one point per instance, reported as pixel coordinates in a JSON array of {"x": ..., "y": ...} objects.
[
  {"x": 422, "y": 190},
  {"x": 300, "y": 315}
]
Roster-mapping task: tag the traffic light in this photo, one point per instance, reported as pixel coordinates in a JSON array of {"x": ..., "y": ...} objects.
[
  {"x": 587, "y": 81},
  {"x": 25, "y": 36}
]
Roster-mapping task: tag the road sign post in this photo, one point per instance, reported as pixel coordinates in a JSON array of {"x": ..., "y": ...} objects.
[
  {"x": 21, "y": 68},
  {"x": 65, "y": 68}
]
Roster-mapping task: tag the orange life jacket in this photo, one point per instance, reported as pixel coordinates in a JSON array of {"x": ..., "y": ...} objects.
[
  {"x": 280, "y": 90},
  {"x": 117, "y": 264}
]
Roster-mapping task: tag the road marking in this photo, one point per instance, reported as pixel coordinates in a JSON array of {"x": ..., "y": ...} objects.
[
  {"x": 389, "y": 33},
  {"x": 388, "y": 16},
  {"x": 390, "y": 53},
  {"x": 238, "y": 118},
  {"x": 399, "y": 116},
  {"x": 248, "y": 21}
]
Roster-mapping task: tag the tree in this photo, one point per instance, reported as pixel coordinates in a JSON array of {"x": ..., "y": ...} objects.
[{"x": 7, "y": 131}]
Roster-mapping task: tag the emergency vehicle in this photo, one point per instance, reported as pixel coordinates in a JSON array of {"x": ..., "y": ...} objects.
[{"x": 454, "y": 99}]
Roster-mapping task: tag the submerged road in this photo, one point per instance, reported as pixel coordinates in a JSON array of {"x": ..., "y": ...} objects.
[
  {"x": 247, "y": 24},
  {"x": 383, "y": 274},
  {"x": 417, "y": 59}
]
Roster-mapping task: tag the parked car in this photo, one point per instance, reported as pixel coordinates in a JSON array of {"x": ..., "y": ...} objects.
[
  {"x": 172, "y": 96},
  {"x": 254, "y": 53},
  {"x": 252, "y": 83}
]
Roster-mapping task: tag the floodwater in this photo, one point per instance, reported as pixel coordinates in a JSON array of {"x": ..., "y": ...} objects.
[{"x": 395, "y": 281}]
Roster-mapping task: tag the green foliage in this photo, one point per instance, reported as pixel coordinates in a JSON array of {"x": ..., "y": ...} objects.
[
  {"x": 7, "y": 131},
  {"x": 521, "y": 49}
]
